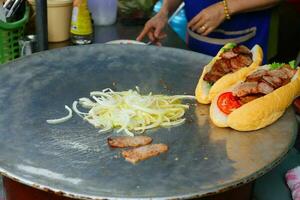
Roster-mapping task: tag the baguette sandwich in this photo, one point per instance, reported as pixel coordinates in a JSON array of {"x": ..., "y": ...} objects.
[
  {"x": 232, "y": 63},
  {"x": 258, "y": 100}
]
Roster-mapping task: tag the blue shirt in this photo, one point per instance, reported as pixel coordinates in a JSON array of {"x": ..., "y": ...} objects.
[{"x": 251, "y": 28}]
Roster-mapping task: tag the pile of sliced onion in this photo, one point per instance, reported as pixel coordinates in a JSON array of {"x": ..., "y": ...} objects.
[{"x": 130, "y": 111}]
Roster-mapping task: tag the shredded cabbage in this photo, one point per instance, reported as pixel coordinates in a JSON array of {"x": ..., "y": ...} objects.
[{"x": 131, "y": 112}]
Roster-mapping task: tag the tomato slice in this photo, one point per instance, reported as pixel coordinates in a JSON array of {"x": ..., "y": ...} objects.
[{"x": 228, "y": 103}]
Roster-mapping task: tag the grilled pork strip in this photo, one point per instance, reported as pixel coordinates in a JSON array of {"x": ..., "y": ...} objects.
[
  {"x": 127, "y": 141},
  {"x": 241, "y": 49},
  {"x": 282, "y": 74},
  {"x": 273, "y": 81},
  {"x": 230, "y": 61},
  {"x": 229, "y": 55},
  {"x": 257, "y": 75},
  {"x": 265, "y": 88},
  {"x": 245, "y": 88},
  {"x": 263, "y": 82},
  {"x": 245, "y": 59},
  {"x": 222, "y": 66},
  {"x": 142, "y": 153},
  {"x": 211, "y": 78},
  {"x": 246, "y": 99},
  {"x": 288, "y": 71},
  {"x": 235, "y": 63}
]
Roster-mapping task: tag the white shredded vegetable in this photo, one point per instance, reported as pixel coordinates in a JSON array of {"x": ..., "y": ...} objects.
[
  {"x": 63, "y": 119},
  {"x": 129, "y": 111},
  {"x": 79, "y": 113}
]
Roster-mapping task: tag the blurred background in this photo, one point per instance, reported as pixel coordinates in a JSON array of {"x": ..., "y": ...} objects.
[{"x": 18, "y": 32}]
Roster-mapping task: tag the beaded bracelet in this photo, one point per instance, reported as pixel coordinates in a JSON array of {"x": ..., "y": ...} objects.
[{"x": 226, "y": 11}]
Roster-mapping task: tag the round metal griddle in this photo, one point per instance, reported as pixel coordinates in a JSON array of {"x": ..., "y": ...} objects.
[{"x": 74, "y": 160}]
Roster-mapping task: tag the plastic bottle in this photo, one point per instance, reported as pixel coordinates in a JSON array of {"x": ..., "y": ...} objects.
[
  {"x": 81, "y": 25},
  {"x": 104, "y": 12},
  {"x": 178, "y": 22}
]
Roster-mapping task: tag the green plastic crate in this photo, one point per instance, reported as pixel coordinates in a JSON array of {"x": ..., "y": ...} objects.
[{"x": 10, "y": 34}]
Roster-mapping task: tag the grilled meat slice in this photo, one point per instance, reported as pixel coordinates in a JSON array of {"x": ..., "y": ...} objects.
[
  {"x": 247, "y": 99},
  {"x": 127, "y": 141},
  {"x": 245, "y": 59},
  {"x": 218, "y": 70},
  {"x": 273, "y": 81},
  {"x": 228, "y": 54},
  {"x": 246, "y": 88},
  {"x": 142, "y": 153},
  {"x": 223, "y": 66},
  {"x": 282, "y": 74},
  {"x": 241, "y": 49},
  {"x": 227, "y": 66},
  {"x": 257, "y": 75},
  {"x": 230, "y": 61},
  {"x": 235, "y": 64},
  {"x": 264, "y": 88},
  {"x": 286, "y": 81},
  {"x": 211, "y": 78},
  {"x": 240, "y": 61},
  {"x": 263, "y": 82},
  {"x": 287, "y": 69}
]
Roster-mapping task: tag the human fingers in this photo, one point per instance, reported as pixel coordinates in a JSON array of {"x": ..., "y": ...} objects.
[
  {"x": 151, "y": 36},
  {"x": 194, "y": 20},
  {"x": 156, "y": 41},
  {"x": 207, "y": 31},
  {"x": 210, "y": 19},
  {"x": 158, "y": 44},
  {"x": 162, "y": 36},
  {"x": 199, "y": 24},
  {"x": 201, "y": 29},
  {"x": 158, "y": 29},
  {"x": 144, "y": 32}
]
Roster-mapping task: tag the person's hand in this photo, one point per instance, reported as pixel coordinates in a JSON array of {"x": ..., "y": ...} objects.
[
  {"x": 208, "y": 19},
  {"x": 154, "y": 28}
]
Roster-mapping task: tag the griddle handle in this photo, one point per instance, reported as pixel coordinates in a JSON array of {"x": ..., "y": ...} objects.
[{"x": 41, "y": 25}]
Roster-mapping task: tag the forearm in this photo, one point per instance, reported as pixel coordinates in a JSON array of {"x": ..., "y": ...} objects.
[
  {"x": 169, "y": 6},
  {"x": 239, "y": 6}
]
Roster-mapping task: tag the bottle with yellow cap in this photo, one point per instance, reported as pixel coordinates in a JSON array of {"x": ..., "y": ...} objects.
[{"x": 81, "y": 25}]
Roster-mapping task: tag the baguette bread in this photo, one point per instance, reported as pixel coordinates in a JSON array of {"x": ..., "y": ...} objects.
[
  {"x": 205, "y": 93},
  {"x": 259, "y": 112}
]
